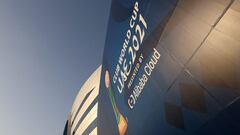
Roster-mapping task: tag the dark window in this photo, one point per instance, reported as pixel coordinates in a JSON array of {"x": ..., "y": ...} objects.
[{"x": 65, "y": 129}]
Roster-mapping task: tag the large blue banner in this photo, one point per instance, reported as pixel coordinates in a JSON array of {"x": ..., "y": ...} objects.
[{"x": 129, "y": 63}]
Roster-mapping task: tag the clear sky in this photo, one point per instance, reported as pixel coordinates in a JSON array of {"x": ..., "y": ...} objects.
[{"x": 48, "y": 48}]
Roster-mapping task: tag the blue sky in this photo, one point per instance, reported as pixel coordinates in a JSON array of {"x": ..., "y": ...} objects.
[{"x": 48, "y": 48}]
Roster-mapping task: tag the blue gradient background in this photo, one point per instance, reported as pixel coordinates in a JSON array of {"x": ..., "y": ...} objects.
[{"x": 48, "y": 48}]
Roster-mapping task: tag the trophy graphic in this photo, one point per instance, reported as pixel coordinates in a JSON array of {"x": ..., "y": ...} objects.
[{"x": 122, "y": 124}]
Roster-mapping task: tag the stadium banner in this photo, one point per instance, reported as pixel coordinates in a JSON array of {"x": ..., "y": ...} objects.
[{"x": 129, "y": 90}]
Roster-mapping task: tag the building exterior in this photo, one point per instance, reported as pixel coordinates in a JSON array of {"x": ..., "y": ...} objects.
[
  {"x": 169, "y": 67},
  {"x": 83, "y": 115}
]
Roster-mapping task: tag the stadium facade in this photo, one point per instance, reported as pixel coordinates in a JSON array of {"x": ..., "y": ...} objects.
[
  {"x": 169, "y": 67},
  {"x": 83, "y": 116}
]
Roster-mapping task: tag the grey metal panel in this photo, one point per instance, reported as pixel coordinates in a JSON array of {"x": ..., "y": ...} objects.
[
  {"x": 189, "y": 25},
  {"x": 216, "y": 65},
  {"x": 229, "y": 24},
  {"x": 182, "y": 35},
  {"x": 207, "y": 11}
]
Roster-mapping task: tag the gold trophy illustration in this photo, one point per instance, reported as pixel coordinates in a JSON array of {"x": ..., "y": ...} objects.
[{"x": 122, "y": 124}]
